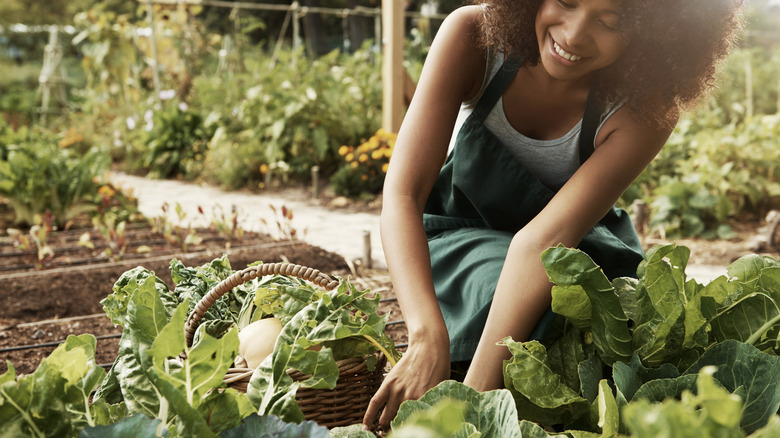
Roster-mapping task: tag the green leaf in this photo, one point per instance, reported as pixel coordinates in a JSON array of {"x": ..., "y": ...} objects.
[
  {"x": 660, "y": 325},
  {"x": 529, "y": 429},
  {"x": 206, "y": 362},
  {"x": 565, "y": 355},
  {"x": 343, "y": 313},
  {"x": 744, "y": 369},
  {"x": 568, "y": 267},
  {"x": 540, "y": 394},
  {"x": 748, "y": 319},
  {"x": 492, "y": 413},
  {"x": 446, "y": 418},
  {"x": 353, "y": 431},
  {"x": 713, "y": 412},
  {"x": 53, "y": 400},
  {"x": 629, "y": 377},
  {"x": 269, "y": 426},
  {"x": 130, "y": 427},
  {"x": 224, "y": 409},
  {"x": 609, "y": 417}
]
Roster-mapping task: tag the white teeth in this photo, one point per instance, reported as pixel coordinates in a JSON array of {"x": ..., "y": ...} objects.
[{"x": 565, "y": 55}]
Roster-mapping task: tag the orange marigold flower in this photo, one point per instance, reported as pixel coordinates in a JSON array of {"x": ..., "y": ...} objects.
[
  {"x": 264, "y": 168},
  {"x": 106, "y": 191}
]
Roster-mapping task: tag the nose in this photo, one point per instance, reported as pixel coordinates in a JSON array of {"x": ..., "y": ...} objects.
[{"x": 577, "y": 31}]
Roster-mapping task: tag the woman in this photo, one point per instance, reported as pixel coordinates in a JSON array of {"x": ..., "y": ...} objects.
[{"x": 554, "y": 107}]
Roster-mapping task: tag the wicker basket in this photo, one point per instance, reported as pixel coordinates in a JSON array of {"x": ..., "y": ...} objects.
[{"x": 343, "y": 405}]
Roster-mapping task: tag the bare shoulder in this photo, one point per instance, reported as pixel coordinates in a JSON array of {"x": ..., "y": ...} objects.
[
  {"x": 456, "y": 51},
  {"x": 625, "y": 127}
]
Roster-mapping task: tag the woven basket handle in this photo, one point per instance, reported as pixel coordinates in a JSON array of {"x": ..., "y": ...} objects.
[{"x": 249, "y": 274}]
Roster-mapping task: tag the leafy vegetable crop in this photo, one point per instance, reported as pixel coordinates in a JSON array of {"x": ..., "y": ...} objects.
[
  {"x": 661, "y": 355},
  {"x": 160, "y": 385}
]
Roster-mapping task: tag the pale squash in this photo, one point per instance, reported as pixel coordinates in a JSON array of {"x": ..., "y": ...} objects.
[{"x": 256, "y": 341}]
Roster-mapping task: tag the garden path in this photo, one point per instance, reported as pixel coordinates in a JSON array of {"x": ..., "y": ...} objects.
[
  {"x": 317, "y": 222},
  {"x": 338, "y": 230}
]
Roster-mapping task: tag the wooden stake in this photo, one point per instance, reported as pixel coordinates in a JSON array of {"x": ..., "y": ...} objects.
[{"x": 392, "y": 64}]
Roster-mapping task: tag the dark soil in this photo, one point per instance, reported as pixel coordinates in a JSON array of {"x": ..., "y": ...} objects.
[{"x": 44, "y": 304}]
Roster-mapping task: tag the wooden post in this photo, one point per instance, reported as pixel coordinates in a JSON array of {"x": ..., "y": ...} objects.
[
  {"x": 155, "y": 60},
  {"x": 392, "y": 64}
]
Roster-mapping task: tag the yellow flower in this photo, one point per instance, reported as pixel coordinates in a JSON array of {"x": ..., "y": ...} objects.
[
  {"x": 106, "y": 192},
  {"x": 70, "y": 137},
  {"x": 350, "y": 156},
  {"x": 263, "y": 168},
  {"x": 363, "y": 158},
  {"x": 343, "y": 150},
  {"x": 385, "y": 166},
  {"x": 377, "y": 154},
  {"x": 353, "y": 164},
  {"x": 364, "y": 177}
]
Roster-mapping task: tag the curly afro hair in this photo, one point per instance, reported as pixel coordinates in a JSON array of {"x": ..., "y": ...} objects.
[{"x": 674, "y": 49}]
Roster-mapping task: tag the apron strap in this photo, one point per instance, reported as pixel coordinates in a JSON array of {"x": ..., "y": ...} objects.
[
  {"x": 496, "y": 87},
  {"x": 590, "y": 124}
]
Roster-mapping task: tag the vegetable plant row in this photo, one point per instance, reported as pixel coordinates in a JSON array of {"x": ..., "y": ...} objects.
[{"x": 661, "y": 355}]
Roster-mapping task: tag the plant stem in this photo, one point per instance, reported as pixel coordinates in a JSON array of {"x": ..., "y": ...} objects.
[
  {"x": 376, "y": 344},
  {"x": 767, "y": 325}
]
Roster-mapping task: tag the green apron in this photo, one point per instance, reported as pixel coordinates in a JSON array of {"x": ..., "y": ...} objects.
[{"x": 482, "y": 197}]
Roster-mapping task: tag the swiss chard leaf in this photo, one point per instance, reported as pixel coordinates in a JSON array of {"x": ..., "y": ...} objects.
[
  {"x": 53, "y": 400},
  {"x": 341, "y": 314}
]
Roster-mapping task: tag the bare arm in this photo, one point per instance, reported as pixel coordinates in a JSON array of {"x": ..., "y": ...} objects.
[
  {"x": 624, "y": 148},
  {"x": 453, "y": 72}
]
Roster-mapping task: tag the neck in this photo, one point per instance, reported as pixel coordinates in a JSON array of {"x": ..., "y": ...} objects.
[{"x": 556, "y": 87}]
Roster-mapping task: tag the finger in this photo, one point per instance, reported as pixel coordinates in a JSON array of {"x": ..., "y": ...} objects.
[
  {"x": 374, "y": 405},
  {"x": 388, "y": 414}
]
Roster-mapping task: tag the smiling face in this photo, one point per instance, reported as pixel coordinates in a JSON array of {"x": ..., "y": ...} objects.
[{"x": 578, "y": 37}]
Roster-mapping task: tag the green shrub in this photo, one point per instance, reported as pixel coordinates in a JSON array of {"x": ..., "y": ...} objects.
[
  {"x": 42, "y": 171},
  {"x": 176, "y": 143},
  {"x": 707, "y": 175},
  {"x": 294, "y": 117}
]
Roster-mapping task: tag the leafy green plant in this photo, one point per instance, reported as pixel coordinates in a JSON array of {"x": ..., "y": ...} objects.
[
  {"x": 365, "y": 166},
  {"x": 227, "y": 224},
  {"x": 282, "y": 227},
  {"x": 160, "y": 386},
  {"x": 41, "y": 171},
  {"x": 648, "y": 339},
  {"x": 300, "y": 114},
  {"x": 36, "y": 240},
  {"x": 175, "y": 233},
  {"x": 176, "y": 143},
  {"x": 708, "y": 175}
]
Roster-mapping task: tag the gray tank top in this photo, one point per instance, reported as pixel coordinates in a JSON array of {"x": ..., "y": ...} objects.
[{"x": 552, "y": 161}]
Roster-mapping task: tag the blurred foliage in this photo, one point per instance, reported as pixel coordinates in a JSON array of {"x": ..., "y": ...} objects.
[
  {"x": 234, "y": 108},
  {"x": 42, "y": 171}
]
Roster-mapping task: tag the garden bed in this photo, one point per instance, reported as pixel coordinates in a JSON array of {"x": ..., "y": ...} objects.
[{"x": 42, "y": 306}]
